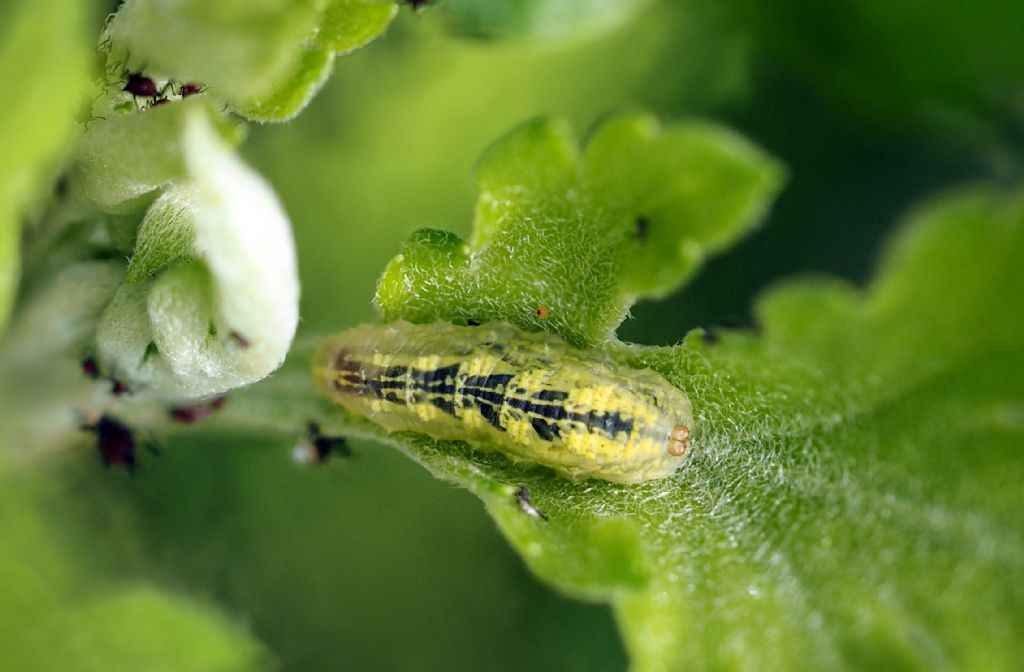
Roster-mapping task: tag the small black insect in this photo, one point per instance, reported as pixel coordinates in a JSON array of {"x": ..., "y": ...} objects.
[
  {"x": 91, "y": 368},
  {"x": 642, "y": 226},
  {"x": 526, "y": 506},
  {"x": 191, "y": 89},
  {"x": 116, "y": 442},
  {"x": 140, "y": 86},
  {"x": 119, "y": 388},
  {"x": 317, "y": 448}
]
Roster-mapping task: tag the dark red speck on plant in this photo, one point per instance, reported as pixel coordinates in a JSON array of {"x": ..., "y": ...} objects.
[
  {"x": 115, "y": 441},
  {"x": 140, "y": 85}
]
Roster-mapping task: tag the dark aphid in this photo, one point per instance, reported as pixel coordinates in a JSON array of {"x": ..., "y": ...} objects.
[
  {"x": 542, "y": 312},
  {"x": 115, "y": 441},
  {"x": 316, "y": 448},
  {"x": 709, "y": 336},
  {"x": 526, "y": 506},
  {"x": 417, "y": 4},
  {"x": 642, "y": 226},
  {"x": 140, "y": 86},
  {"x": 197, "y": 412},
  {"x": 190, "y": 89},
  {"x": 472, "y": 323},
  {"x": 91, "y": 368},
  {"x": 119, "y": 388}
]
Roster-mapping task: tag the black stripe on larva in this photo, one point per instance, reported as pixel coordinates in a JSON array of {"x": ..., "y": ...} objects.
[
  {"x": 609, "y": 423},
  {"x": 440, "y": 380},
  {"x": 612, "y": 423},
  {"x": 551, "y": 411},
  {"x": 545, "y": 429},
  {"x": 445, "y": 404},
  {"x": 490, "y": 414},
  {"x": 490, "y": 382},
  {"x": 343, "y": 361},
  {"x": 489, "y": 396},
  {"x": 487, "y": 393},
  {"x": 386, "y": 384},
  {"x": 551, "y": 395},
  {"x": 394, "y": 372}
]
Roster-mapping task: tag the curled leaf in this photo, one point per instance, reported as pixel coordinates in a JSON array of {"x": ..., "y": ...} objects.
[
  {"x": 227, "y": 317},
  {"x": 127, "y": 156}
]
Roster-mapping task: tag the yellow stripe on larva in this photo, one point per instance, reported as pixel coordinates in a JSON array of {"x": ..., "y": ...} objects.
[{"x": 528, "y": 395}]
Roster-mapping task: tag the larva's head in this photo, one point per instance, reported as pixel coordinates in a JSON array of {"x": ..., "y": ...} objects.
[{"x": 679, "y": 441}]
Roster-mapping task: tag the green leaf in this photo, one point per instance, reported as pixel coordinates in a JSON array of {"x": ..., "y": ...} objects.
[
  {"x": 350, "y": 24},
  {"x": 59, "y": 615},
  {"x": 852, "y": 499},
  {"x": 291, "y": 96},
  {"x": 166, "y": 236},
  {"x": 43, "y": 58},
  {"x": 128, "y": 156},
  {"x": 568, "y": 242}
]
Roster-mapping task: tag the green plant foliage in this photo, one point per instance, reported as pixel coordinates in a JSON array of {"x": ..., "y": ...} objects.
[
  {"x": 120, "y": 159},
  {"x": 567, "y": 241},
  {"x": 239, "y": 48},
  {"x": 265, "y": 60},
  {"x": 166, "y": 236},
  {"x": 533, "y": 18},
  {"x": 40, "y": 86},
  {"x": 924, "y": 64},
  {"x": 350, "y": 24},
  {"x": 223, "y": 311},
  {"x": 852, "y": 499},
  {"x": 52, "y": 621}
]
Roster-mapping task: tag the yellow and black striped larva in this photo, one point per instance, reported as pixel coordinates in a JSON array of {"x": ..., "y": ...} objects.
[{"x": 529, "y": 395}]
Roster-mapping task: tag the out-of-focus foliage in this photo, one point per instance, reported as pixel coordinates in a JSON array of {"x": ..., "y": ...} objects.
[
  {"x": 58, "y": 613},
  {"x": 932, "y": 64},
  {"x": 362, "y": 563},
  {"x": 41, "y": 87},
  {"x": 534, "y": 18}
]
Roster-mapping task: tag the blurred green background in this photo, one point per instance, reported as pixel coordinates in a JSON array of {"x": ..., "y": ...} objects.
[{"x": 369, "y": 563}]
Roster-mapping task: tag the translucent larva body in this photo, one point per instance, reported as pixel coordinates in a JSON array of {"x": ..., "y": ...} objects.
[{"x": 529, "y": 395}]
